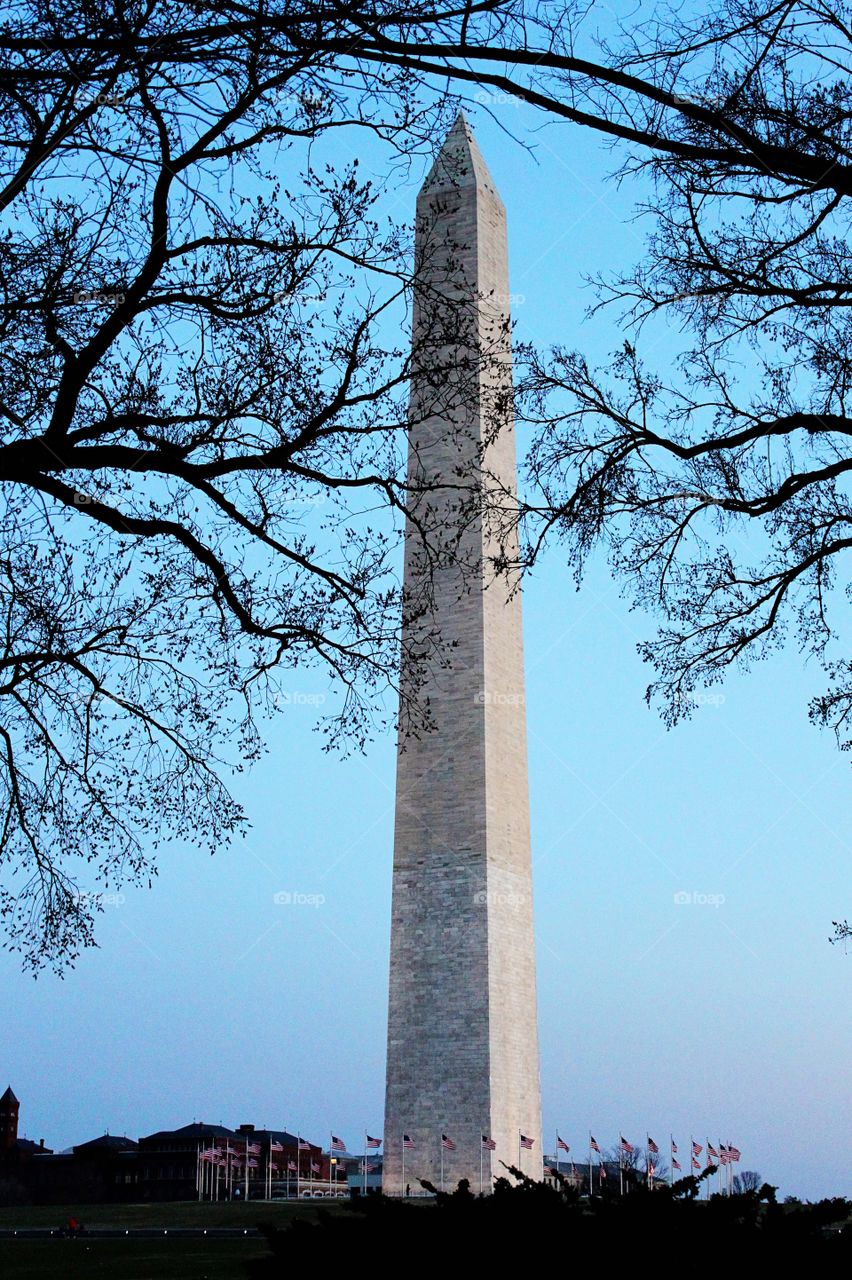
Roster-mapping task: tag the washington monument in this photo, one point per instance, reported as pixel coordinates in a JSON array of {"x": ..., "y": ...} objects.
[{"x": 462, "y": 1035}]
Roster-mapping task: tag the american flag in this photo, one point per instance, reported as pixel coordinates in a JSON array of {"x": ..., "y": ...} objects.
[
  {"x": 593, "y": 1146},
  {"x": 674, "y": 1147},
  {"x": 696, "y": 1148},
  {"x": 724, "y": 1155},
  {"x": 602, "y": 1171},
  {"x": 372, "y": 1143},
  {"x": 291, "y": 1165},
  {"x": 560, "y": 1145},
  {"x": 625, "y": 1145},
  {"x": 734, "y": 1153},
  {"x": 314, "y": 1167},
  {"x": 676, "y": 1165},
  {"x": 711, "y": 1151},
  {"x": 407, "y": 1142},
  {"x": 275, "y": 1146},
  {"x": 526, "y": 1143},
  {"x": 652, "y": 1146},
  {"x": 252, "y": 1164},
  {"x": 303, "y": 1145},
  {"x": 488, "y": 1143},
  {"x": 695, "y": 1163},
  {"x": 337, "y": 1144},
  {"x": 253, "y": 1148},
  {"x": 447, "y": 1143}
]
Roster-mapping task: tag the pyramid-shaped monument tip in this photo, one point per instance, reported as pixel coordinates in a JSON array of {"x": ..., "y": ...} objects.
[{"x": 459, "y": 163}]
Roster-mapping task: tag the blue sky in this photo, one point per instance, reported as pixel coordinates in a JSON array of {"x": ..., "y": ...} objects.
[{"x": 725, "y": 1016}]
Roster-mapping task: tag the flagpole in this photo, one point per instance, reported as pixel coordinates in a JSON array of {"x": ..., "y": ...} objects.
[
  {"x": 442, "y": 1162},
  {"x": 365, "y": 1163},
  {"x": 481, "y": 1184},
  {"x": 519, "y": 1151},
  {"x": 620, "y": 1165},
  {"x": 402, "y": 1185},
  {"x": 707, "y": 1188},
  {"x": 708, "y": 1180},
  {"x": 591, "y": 1184},
  {"x": 298, "y": 1161}
]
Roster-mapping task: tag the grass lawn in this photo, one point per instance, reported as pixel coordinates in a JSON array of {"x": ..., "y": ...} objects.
[
  {"x": 180, "y": 1214},
  {"x": 161, "y": 1259}
]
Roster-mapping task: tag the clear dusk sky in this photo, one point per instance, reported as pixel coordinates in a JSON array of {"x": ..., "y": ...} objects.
[{"x": 726, "y": 1016}]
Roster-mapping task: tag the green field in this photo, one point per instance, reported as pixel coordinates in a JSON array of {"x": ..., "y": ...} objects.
[
  {"x": 164, "y": 1258},
  {"x": 128, "y": 1259},
  {"x": 181, "y": 1214}
]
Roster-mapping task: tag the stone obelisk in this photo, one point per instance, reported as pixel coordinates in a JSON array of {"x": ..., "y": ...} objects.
[{"x": 462, "y": 1031}]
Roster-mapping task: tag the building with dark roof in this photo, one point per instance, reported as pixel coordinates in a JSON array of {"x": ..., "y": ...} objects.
[
  {"x": 166, "y": 1165},
  {"x": 251, "y": 1164},
  {"x": 103, "y": 1170},
  {"x": 169, "y": 1160}
]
